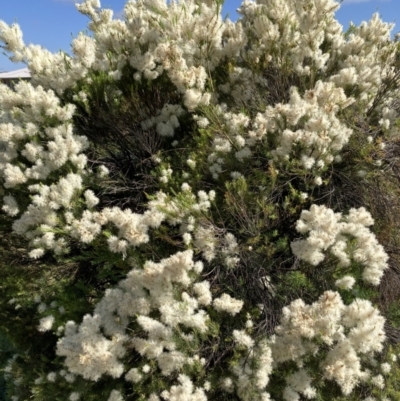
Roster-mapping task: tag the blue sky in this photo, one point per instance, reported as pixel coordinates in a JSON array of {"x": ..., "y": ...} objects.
[{"x": 53, "y": 23}]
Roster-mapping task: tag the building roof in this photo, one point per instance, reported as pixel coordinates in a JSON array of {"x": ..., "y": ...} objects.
[{"x": 22, "y": 73}]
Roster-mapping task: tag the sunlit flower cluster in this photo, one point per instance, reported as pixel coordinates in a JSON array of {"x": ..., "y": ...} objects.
[
  {"x": 351, "y": 331},
  {"x": 331, "y": 232}
]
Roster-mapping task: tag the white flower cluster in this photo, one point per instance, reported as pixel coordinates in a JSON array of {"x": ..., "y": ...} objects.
[
  {"x": 50, "y": 211},
  {"x": 153, "y": 39},
  {"x": 252, "y": 373},
  {"x": 364, "y": 58},
  {"x": 24, "y": 130},
  {"x": 232, "y": 137},
  {"x": 183, "y": 208},
  {"x": 225, "y": 303},
  {"x": 89, "y": 353},
  {"x": 185, "y": 391},
  {"x": 292, "y": 32},
  {"x": 37, "y": 140},
  {"x": 40, "y": 220},
  {"x": 299, "y": 383},
  {"x": 318, "y": 138},
  {"x": 187, "y": 210},
  {"x": 10, "y": 205},
  {"x": 285, "y": 33},
  {"x": 389, "y": 120},
  {"x": 132, "y": 227},
  {"x": 239, "y": 78},
  {"x": 306, "y": 129},
  {"x": 166, "y": 121},
  {"x": 184, "y": 41},
  {"x": 46, "y": 323},
  {"x": 329, "y": 231},
  {"x": 350, "y": 331},
  {"x": 115, "y": 395}
]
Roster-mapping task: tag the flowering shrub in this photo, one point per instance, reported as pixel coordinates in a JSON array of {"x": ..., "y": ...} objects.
[{"x": 196, "y": 209}]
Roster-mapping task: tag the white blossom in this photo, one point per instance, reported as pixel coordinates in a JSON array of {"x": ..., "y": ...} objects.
[
  {"x": 225, "y": 303},
  {"x": 46, "y": 323}
]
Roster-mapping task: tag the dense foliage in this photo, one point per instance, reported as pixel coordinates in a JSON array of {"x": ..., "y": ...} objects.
[{"x": 195, "y": 209}]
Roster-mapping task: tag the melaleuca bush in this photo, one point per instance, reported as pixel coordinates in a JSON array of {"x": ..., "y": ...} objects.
[{"x": 237, "y": 130}]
